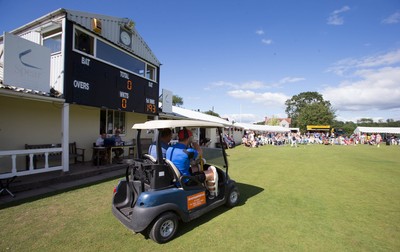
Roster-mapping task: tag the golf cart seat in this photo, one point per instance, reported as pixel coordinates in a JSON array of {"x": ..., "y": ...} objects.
[
  {"x": 149, "y": 157},
  {"x": 173, "y": 169}
]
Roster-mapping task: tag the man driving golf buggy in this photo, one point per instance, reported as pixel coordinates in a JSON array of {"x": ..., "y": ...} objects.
[{"x": 187, "y": 160}]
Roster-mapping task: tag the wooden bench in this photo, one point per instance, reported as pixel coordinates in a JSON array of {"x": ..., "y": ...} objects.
[{"x": 74, "y": 153}]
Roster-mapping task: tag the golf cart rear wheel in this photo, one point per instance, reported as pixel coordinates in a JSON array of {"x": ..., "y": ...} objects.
[
  {"x": 233, "y": 197},
  {"x": 164, "y": 227}
]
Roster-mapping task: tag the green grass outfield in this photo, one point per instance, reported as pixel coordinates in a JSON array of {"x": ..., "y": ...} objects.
[{"x": 310, "y": 198}]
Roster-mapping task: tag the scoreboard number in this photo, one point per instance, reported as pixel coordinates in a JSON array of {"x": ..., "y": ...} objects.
[
  {"x": 124, "y": 103},
  {"x": 151, "y": 108}
]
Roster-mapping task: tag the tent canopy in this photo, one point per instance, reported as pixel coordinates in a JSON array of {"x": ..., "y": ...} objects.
[{"x": 387, "y": 130}]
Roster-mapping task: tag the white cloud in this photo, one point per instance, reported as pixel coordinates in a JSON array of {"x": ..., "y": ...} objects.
[
  {"x": 253, "y": 85},
  {"x": 335, "y": 18},
  {"x": 244, "y": 118},
  {"x": 260, "y": 32},
  {"x": 291, "y": 80},
  {"x": 372, "y": 89},
  {"x": 392, "y": 19},
  {"x": 376, "y": 89},
  {"x": 223, "y": 84},
  {"x": 344, "y": 66},
  {"x": 246, "y": 85},
  {"x": 266, "y": 41},
  {"x": 267, "y": 98},
  {"x": 375, "y": 115}
]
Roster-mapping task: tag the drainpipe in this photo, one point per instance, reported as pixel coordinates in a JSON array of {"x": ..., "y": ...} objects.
[
  {"x": 65, "y": 137},
  {"x": 65, "y": 109}
]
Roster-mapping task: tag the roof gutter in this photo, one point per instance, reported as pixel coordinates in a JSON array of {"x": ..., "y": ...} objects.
[{"x": 14, "y": 94}]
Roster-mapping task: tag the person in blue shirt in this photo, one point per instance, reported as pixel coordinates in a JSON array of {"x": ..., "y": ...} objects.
[
  {"x": 181, "y": 156},
  {"x": 165, "y": 138},
  {"x": 118, "y": 141}
]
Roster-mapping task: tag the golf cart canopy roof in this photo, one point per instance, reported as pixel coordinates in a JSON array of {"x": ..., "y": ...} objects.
[{"x": 160, "y": 124}]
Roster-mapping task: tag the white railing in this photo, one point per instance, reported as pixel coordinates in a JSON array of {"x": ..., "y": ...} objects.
[{"x": 19, "y": 172}]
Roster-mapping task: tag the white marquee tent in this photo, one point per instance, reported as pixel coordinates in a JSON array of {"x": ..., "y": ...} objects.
[{"x": 370, "y": 130}]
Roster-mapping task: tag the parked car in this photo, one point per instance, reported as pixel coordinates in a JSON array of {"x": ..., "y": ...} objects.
[{"x": 154, "y": 197}]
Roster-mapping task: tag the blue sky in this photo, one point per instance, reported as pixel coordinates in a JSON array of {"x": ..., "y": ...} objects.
[{"x": 244, "y": 59}]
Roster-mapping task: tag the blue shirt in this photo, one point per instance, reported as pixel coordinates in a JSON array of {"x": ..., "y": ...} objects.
[
  {"x": 117, "y": 139},
  {"x": 153, "y": 149},
  {"x": 180, "y": 155}
]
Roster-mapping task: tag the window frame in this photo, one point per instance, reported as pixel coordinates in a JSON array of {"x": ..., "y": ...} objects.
[
  {"x": 117, "y": 47},
  {"x": 74, "y": 39},
  {"x": 105, "y": 125},
  {"x": 153, "y": 72},
  {"x": 50, "y": 35},
  {"x": 104, "y": 59}
]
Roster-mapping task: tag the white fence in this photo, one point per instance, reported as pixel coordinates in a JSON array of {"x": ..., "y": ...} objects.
[{"x": 22, "y": 172}]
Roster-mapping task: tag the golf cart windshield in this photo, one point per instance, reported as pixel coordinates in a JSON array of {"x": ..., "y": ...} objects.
[{"x": 214, "y": 156}]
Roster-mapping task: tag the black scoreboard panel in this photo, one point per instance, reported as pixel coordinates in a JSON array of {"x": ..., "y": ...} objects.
[{"x": 93, "y": 83}]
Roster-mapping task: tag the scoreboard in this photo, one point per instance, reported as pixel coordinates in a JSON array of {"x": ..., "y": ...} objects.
[{"x": 94, "y": 83}]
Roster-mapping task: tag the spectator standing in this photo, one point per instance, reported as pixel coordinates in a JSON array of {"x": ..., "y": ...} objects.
[{"x": 378, "y": 139}]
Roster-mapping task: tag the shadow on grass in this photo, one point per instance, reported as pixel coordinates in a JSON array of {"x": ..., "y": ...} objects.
[
  {"x": 29, "y": 199},
  {"x": 246, "y": 191}
]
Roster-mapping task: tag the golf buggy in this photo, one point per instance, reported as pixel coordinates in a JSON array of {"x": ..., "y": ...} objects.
[{"x": 154, "y": 196}]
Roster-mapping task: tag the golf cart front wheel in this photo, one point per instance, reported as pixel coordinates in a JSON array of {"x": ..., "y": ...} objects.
[
  {"x": 164, "y": 227},
  {"x": 233, "y": 197}
]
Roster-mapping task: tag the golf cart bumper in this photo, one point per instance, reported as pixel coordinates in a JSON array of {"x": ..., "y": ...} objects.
[{"x": 142, "y": 217}]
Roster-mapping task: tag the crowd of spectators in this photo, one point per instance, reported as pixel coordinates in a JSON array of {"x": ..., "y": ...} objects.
[
  {"x": 393, "y": 140},
  {"x": 252, "y": 139}
]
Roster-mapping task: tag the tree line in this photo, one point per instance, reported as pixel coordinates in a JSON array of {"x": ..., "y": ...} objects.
[{"x": 310, "y": 108}]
